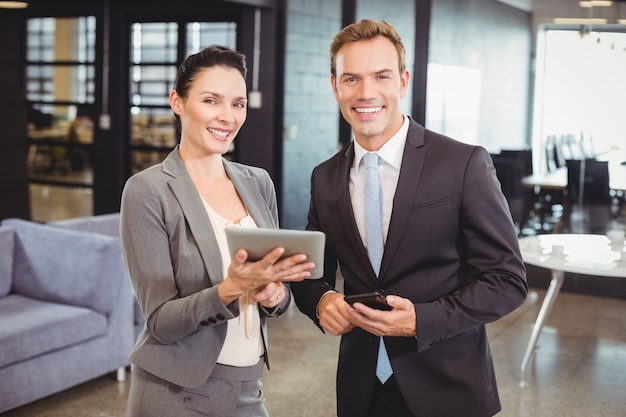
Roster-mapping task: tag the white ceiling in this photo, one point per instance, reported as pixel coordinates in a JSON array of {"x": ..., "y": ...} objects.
[{"x": 545, "y": 10}]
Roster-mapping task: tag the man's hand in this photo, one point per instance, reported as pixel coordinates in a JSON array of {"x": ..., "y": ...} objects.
[
  {"x": 400, "y": 321},
  {"x": 333, "y": 313}
]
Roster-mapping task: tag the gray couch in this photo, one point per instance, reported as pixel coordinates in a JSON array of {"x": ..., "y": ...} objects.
[
  {"x": 106, "y": 224},
  {"x": 66, "y": 310}
]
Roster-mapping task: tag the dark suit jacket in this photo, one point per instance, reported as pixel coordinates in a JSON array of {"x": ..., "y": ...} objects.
[{"x": 451, "y": 249}]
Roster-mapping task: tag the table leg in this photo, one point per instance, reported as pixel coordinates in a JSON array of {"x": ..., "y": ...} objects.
[{"x": 553, "y": 291}]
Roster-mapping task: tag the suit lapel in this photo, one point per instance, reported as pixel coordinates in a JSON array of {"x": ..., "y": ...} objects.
[
  {"x": 346, "y": 211},
  {"x": 410, "y": 172},
  {"x": 249, "y": 191},
  {"x": 195, "y": 215}
]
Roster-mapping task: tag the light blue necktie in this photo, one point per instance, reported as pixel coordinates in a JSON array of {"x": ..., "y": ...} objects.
[{"x": 375, "y": 244}]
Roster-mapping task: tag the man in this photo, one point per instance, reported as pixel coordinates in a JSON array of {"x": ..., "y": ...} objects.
[{"x": 451, "y": 259}]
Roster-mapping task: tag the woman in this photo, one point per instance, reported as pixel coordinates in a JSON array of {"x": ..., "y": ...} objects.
[{"x": 203, "y": 348}]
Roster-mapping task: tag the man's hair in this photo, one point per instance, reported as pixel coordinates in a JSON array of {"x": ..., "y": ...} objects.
[{"x": 366, "y": 29}]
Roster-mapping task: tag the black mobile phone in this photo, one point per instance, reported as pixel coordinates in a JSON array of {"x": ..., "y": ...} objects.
[{"x": 372, "y": 299}]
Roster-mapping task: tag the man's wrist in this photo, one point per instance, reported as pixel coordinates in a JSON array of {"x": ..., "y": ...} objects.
[{"x": 317, "y": 309}]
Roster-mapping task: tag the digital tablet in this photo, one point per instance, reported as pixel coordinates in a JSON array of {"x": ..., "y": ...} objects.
[{"x": 259, "y": 241}]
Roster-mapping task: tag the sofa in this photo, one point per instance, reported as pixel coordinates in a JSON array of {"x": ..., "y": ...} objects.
[
  {"x": 105, "y": 224},
  {"x": 66, "y": 310}
]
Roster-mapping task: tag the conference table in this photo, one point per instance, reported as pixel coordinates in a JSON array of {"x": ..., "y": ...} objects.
[
  {"x": 586, "y": 254},
  {"x": 557, "y": 179}
]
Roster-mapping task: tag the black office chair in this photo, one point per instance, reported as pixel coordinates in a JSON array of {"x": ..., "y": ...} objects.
[
  {"x": 542, "y": 207},
  {"x": 553, "y": 154},
  {"x": 511, "y": 166},
  {"x": 588, "y": 181},
  {"x": 587, "y": 197}
]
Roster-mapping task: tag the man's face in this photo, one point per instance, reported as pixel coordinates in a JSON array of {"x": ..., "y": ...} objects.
[{"x": 368, "y": 87}]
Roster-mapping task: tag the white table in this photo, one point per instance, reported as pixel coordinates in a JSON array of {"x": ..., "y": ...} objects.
[
  {"x": 557, "y": 179},
  {"x": 581, "y": 254}
]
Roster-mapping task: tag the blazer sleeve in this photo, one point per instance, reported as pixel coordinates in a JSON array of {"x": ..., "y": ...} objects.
[
  {"x": 308, "y": 293},
  {"x": 165, "y": 265},
  {"x": 489, "y": 256}
]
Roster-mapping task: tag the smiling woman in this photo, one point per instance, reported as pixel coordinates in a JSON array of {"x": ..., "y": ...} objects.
[{"x": 205, "y": 309}]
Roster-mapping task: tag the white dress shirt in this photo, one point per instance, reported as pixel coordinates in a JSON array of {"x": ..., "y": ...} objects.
[
  {"x": 388, "y": 173},
  {"x": 244, "y": 344}
]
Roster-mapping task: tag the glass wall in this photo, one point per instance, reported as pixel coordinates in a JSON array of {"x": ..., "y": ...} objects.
[
  {"x": 155, "y": 55},
  {"x": 60, "y": 96}
]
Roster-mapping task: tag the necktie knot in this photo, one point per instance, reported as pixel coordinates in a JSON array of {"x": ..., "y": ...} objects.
[{"x": 370, "y": 160}]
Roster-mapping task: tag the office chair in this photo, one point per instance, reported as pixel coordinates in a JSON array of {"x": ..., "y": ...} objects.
[
  {"x": 587, "y": 196},
  {"x": 588, "y": 181}
]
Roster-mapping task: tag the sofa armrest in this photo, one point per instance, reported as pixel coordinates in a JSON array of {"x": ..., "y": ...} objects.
[
  {"x": 7, "y": 243},
  {"x": 106, "y": 224},
  {"x": 68, "y": 266}
]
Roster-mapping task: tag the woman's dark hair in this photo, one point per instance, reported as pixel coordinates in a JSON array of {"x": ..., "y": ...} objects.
[{"x": 211, "y": 56}]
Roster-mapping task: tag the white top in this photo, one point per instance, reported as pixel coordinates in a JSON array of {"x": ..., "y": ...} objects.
[
  {"x": 578, "y": 253},
  {"x": 388, "y": 172},
  {"x": 243, "y": 345}
]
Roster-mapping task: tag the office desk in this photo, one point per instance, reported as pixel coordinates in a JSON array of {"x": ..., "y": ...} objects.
[
  {"x": 557, "y": 179},
  {"x": 553, "y": 180},
  {"x": 576, "y": 253}
]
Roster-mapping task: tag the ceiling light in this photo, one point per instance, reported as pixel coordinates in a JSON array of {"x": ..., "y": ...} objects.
[
  {"x": 595, "y": 3},
  {"x": 621, "y": 21},
  {"x": 579, "y": 21},
  {"x": 13, "y": 4}
]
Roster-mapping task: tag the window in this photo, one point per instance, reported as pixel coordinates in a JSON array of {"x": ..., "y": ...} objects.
[
  {"x": 60, "y": 73},
  {"x": 60, "y": 94},
  {"x": 580, "y": 86},
  {"x": 154, "y": 59}
]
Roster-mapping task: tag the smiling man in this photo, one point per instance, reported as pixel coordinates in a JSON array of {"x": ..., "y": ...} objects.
[{"x": 444, "y": 252}]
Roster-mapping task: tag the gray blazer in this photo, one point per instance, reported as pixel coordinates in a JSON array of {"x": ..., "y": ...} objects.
[{"x": 175, "y": 264}]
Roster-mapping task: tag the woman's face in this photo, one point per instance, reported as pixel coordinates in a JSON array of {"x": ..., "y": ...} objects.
[{"x": 214, "y": 110}]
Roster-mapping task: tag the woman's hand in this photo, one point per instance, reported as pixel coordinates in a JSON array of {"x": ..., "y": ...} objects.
[
  {"x": 271, "y": 295},
  {"x": 244, "y": 276}
]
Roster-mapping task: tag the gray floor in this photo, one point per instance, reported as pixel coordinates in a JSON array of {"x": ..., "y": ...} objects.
[{"x": 579, "y": 368}]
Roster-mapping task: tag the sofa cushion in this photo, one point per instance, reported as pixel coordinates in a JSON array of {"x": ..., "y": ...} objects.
[
  {"x": 66, "y": 266},
  {"x": 7, "y": 242},
  {"x": 29, "y": 327}
]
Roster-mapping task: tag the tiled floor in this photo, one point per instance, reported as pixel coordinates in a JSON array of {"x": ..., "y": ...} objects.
[{"x": 579, "y": 369}]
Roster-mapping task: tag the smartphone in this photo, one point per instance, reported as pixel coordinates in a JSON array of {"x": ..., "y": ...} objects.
[{"x": 373, "y": 299}]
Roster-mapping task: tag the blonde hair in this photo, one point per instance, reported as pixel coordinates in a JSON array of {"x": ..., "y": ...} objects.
[{"x": 364, "y": 30}]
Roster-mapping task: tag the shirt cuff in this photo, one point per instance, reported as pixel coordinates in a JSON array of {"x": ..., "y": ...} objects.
[{"x": 317, "y": 311}]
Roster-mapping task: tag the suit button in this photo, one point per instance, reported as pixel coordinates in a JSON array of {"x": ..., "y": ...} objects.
[
  {"x": 212, "y": 320},
  {"x": 204, "y": 323},
  {"x": 221, "y": 317}
]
